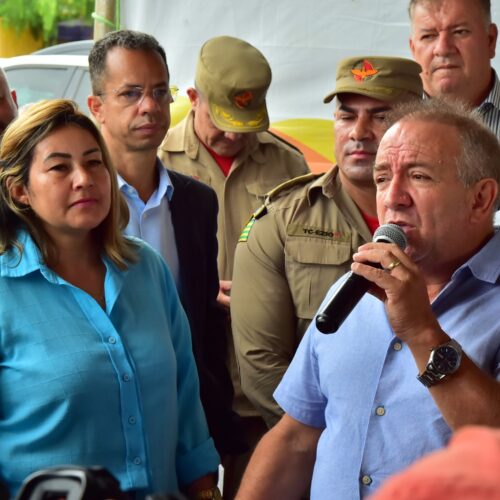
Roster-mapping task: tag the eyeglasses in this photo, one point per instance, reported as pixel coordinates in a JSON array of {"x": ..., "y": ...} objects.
[{"x": 129, "y": 96}]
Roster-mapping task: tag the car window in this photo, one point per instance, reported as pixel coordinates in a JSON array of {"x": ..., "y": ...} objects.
[
  {"x": 82, "y": 91},
  {"x": 34, "y": 83}
]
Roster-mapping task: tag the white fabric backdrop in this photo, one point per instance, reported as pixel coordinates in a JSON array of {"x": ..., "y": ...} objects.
[{"x": 302, "y": 39}]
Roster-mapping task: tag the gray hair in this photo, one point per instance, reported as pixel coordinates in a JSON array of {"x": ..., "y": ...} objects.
[
  {"x": 479, "y": 155},
  {"x": 485, "y": 6}
]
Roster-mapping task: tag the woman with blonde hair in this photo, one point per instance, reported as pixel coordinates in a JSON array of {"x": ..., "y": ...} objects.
[{"x": 96, "y": 365}]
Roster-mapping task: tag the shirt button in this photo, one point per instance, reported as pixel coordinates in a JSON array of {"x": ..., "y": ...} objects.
[
  {"x": 126, "y": 377},
  {"x": 137, "y": 461},
  {"x": 131, "y": 420},
  {"x": 112, "y": 340},
  {"x": 366, "y": 480},
  {"x": 380, "y": 411},
  {"x": 397, "y": 346}
]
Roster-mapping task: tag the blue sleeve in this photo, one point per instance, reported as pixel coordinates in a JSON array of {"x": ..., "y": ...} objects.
[{"x": 299, "y": 392}]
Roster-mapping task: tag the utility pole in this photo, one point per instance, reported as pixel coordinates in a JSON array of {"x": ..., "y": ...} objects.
[{"x": 104, "y": 17}]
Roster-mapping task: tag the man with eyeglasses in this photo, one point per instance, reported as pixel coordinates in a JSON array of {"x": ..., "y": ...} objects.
[{"x": 174, "y": 213}]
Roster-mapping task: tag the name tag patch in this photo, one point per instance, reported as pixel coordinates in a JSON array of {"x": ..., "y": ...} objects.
[{"x": 317, "y": 232}]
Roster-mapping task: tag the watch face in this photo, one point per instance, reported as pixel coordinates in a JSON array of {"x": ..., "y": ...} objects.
[{"x": 445, "y": 359}]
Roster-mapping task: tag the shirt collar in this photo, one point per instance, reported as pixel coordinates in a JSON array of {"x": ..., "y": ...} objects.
[
  {"x": 493, "y": 98},
  {"x": 165, "y": 186},
  {"x": 14, "y": 265},
  {"x": 485, "y": 264}
]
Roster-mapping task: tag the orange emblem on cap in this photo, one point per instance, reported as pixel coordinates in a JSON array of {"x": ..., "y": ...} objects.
[
  {"x": 366, "y": 71},
  {"x": 243, "y": 99}
]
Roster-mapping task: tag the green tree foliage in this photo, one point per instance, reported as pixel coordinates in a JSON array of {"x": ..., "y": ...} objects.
[{"x": 42, "y": 16}]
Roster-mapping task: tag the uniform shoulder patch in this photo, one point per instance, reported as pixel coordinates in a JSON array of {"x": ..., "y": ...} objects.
[
  {"x": 296, "y": 181},
  {"x": 262, "y": 210}
]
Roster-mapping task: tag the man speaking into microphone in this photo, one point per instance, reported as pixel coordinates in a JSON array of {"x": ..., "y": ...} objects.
[{"x": 417, "y": 358}]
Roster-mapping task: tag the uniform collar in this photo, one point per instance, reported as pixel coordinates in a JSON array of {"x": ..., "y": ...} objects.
[{"x": 329, "y": 185}]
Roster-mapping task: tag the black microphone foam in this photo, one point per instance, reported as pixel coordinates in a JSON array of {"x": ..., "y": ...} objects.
[{"x": 336, "y": 310}]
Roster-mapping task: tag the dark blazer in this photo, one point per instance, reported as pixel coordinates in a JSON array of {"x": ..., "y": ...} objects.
[{"x": 194, "y": 210}]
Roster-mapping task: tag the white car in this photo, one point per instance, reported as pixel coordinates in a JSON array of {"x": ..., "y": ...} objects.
[
  {"x": 81, "y": 47},
  {"x": 36, "y": 77}
]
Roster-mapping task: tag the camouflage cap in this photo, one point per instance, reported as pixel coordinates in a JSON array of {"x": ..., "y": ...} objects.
[
  {"x": 233, "y": 76},
  {"x": 383, "y": 78}
]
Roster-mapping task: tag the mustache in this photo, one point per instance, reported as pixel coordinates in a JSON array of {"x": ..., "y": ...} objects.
[
  {"x": 361, "y": 147},
  {"x": 444, "y": 61}
]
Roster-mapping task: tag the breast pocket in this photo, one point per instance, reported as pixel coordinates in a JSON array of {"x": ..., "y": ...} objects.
[{"x": 312, "y": 265}]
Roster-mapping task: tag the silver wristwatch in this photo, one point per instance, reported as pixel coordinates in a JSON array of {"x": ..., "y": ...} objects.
[{"x": 444, "y": 360}]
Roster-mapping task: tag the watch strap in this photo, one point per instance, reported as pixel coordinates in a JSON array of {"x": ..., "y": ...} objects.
[{"x": 430, "y": 377}]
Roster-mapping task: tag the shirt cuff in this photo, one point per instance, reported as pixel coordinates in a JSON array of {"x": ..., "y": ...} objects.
[{"x": 197, "y": 462}]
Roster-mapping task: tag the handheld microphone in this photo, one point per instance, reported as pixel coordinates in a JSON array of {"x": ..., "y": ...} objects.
[{"x": 336, "y": 310}]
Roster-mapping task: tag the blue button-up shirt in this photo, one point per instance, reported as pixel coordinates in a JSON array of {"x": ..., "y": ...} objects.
[
  {"x": 152, "y": 221},
  {"x": 87, "y": 386},
  {"x": 360, "y": 383}
]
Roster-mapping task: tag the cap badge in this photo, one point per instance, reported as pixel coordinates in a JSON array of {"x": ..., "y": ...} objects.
[
  {"x": 363, "y": 71},
  {"x": 243, "y": 99}
]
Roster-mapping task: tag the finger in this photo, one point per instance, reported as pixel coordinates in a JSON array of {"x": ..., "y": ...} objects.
[
  {"x": 383, "y": 258},
  {"x": 378, "y": 293},
  {"x": 392, "y": 265},
  {"x": 383, "y": 254},
  {"x": 380, "y": 276}
]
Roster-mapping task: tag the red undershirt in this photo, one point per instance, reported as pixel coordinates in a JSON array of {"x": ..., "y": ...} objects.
[
  {"x": 371, "y": 222},
  {"x": 224, "y": 162}
]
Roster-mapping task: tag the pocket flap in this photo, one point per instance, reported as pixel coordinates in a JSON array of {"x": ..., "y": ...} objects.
[{"x": 308, "y": 250}]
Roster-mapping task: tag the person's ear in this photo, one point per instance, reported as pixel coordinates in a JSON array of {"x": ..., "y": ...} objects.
[
  {"x": 18, "y": 192},
  {"x": 412, "y": 47},
  {"x": 492, "y": 39},
  {"x": 14, "y": 97},
  {"x": 484, "y": 195},
  {"x": 95, "y": 104},
  {"x": 194, "y": 97}
]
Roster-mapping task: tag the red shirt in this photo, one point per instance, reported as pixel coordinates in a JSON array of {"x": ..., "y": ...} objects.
[
  {"x": 371, "y": 222},
  {"x": 224, "y": 162}
]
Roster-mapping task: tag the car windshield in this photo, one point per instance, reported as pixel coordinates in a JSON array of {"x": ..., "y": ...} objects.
[{"x": 37, "y": 77}]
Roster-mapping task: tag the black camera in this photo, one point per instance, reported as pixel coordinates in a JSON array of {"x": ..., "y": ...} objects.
[
  {"x": 71, "y": 483},
  {"x": 77, "y": 483}
]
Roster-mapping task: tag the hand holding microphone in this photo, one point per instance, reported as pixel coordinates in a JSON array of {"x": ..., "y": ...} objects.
[{"x": 336, "y": 310}]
